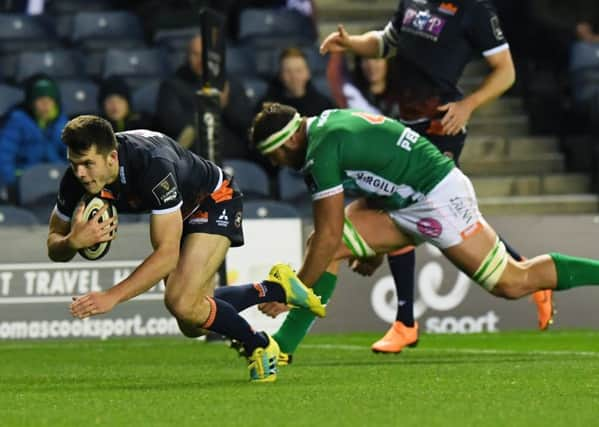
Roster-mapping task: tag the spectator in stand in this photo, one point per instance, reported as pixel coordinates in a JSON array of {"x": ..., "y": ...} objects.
[
  {"x": 114, "y": 99},
  {"x": 292, "y": 86},
  {"x": 371, "y": 88},
  {"x": 176, "y": 106},
  {"x": 31, "y": 134}
]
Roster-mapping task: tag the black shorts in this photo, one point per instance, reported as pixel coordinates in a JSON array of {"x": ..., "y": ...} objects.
[
  {"x": 220, "y": 213},
  {"x": 445, "y": 143}
]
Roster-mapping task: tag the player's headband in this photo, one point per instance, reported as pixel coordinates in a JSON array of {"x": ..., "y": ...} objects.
[{"x": 277, "y": 139}]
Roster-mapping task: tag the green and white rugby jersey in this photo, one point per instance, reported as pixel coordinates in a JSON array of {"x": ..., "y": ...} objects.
[{"x": 372, "y": 155}]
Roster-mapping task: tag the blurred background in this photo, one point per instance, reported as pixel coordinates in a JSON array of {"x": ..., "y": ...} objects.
[{"x": 137, "y": 63}]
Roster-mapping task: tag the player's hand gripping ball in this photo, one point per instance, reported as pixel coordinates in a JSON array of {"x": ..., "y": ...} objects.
[{"x": 92, "y": 205}]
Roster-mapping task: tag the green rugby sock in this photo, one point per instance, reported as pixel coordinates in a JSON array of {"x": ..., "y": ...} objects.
[
  {"x": 299, "y": 320},
  {"x": 573, "y": 272}
]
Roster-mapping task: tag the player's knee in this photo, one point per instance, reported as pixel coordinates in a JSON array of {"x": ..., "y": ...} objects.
[
  {"x": 180, "y": 307},
  {"x": 505, "y": 291},
  {"x": 509, "y": 288}
]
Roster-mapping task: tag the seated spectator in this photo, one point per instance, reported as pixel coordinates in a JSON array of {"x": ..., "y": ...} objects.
[
  {"x": 176, "y": 106},
  {"x": 31, "y": 134},
  {"x": 293, "y": 87},
  {"x": 114, "y": 100},
  {"x": 371, "y": 87}
]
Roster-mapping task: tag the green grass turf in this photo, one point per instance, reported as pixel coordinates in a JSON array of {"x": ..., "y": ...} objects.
[{"x": 507, "y": 379}]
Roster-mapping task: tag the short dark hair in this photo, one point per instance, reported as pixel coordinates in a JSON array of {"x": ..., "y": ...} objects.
[
  {"x": 82, "y": 132},
  {"x": 272, "y": 118}
]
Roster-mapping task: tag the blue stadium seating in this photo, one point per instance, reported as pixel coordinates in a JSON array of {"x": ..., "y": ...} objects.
[
  {"x": 291, "y": 185},
  {"x": 321, "y": 84},
  {"x": 137, "y": 66},
  {"x": 103, "y": 30},
  {"x": 584, "y": 71},
  {"x": 39, "y": 181},
  {"x": 79, "y": 96},
  {"x": 263, "y": 209},
  {"x": 175, "y": 39},
  {"x": 239, "y": 60},
  {"x": 250, "y": 177},
  {"x": 11, "y": 216},
  {"x": 144, "y": 99},
  {"x": 57, "y": 63},
  {"x": 255, "y": 23},
  {"x": 19, "y": 32},
  {"x": 316, "y": 61},
  {"x": 254, "y": 87},
  {"x": 9, "y": 97}
]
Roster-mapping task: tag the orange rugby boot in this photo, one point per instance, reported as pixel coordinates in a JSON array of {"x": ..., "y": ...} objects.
[
  {"x": 396, "y": 338},
  {"x": 545, "y": 308}
]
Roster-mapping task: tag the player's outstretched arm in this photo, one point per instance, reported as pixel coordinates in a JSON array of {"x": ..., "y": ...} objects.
[
  {"x": 165, "y": 233},
  {"x": 366, "y": 44},
  {"x": 65, "y": 239}
]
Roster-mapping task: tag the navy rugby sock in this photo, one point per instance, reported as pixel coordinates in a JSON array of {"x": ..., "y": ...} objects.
[
  {"x": 224, "y": 320},
  {"x": 511, "y": 251},
  {"x": 244, "y": 296},
  {"x": 402, "y": 268}
]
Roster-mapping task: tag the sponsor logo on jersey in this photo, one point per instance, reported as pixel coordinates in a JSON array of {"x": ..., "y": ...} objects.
[
  {"x": 430, "y": 227},
  {"x": 166, "y": 190},
  {"x": 423, "y": 23},
  {"x": 238, "y": 219},
  {"x": 497, "y": 31},
  {"x": 380, "y": 186},
  {"x": 223, "y": 219},
  {"x": 199, "y": 217},
  {"x": 324, "y": 116},
  {"x": 448, "y": 8}
]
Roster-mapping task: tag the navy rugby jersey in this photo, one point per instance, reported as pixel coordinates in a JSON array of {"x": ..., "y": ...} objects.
[
  {"x": 434, "y": 40},
  {"x": 156, "y": 175}
]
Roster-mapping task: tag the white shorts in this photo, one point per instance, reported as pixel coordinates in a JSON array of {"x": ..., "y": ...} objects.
[{"x": 446, "y": 216}]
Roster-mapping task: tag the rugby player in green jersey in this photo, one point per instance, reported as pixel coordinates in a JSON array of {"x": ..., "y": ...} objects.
[{"x": 411, "y": 193}]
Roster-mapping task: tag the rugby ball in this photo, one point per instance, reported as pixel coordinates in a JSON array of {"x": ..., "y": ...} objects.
[{"x": 92, "y": 205}]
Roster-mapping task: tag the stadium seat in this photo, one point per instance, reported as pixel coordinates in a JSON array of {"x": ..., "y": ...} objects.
[
  {"x": 39, "y": 181},
  {"x": 316, "y": 61},
  {"x": 291, "y": 185},
  {"x": 137, "y": 66},
  {"x": 259, "y": 209},
  {"x": 11, "y": 216},
  {"x": 58, "y": 63},
  {"x": 109, "y": 29},
  {"x": 9, "y": 97},
  {"x": 321, "y": 83},
  {"x": 584, "y": 71},
  {"x": 254, "y": 87},
  {"x": 239, "y": 61},
  {"x": 144, "y": 99},
  {"x": 250, "y": 177},
  {"x": 79, "y": 97},
  {"x": 175, "y": 39},
  {"x": 19, "y": 32},
  {"x": 255, "y": 23}
]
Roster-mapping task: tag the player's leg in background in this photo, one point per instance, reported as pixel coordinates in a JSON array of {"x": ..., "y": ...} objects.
[
  {"x": 378, "y": 231},
  {"x": 402, "y": 264},
  {"x": 404, "y": 331}
]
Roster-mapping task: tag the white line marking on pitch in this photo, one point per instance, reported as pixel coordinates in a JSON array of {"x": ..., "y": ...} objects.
[{"x": 463, "y": 350}]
